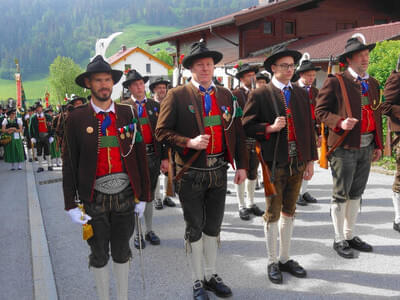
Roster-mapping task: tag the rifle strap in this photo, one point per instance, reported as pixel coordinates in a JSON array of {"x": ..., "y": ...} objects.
[{"x": 348, "y": 112}]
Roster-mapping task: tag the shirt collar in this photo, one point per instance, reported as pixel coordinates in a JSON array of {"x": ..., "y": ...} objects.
[
  {"x": 246, "y": 88},
  {"x": 301, "y": 84},
  {"x": 279, "y": 84},
  {"x": 98, "y": 109},
  {"x": 197, "y": 85},
  {"x": 355, "y": 75},
  {"x": 136, "y": 100}
]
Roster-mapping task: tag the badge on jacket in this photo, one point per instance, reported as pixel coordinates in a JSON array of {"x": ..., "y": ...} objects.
[
  {"x": 226, "y": 113},
  {"x": 191, "y": 108}
]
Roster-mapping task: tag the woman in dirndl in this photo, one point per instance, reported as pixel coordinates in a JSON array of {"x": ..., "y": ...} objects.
[{"x": 14, "y": 150}]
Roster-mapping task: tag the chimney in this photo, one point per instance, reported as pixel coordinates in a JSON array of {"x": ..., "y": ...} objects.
[{"x": 123, "y": 47}]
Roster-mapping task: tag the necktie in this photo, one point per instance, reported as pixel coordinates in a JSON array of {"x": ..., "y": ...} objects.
[
  {"x": 140, "y": 105},
  {"x": 207, "y": 98},
  {"x": 106, "y": 123},
  {"x": 287, "y": 93},
  {"x": 364, "y": 85}
]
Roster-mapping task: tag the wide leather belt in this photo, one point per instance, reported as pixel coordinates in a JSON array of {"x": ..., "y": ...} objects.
[
  {"x": 213, "y": 162},
  {"x": 292, "y": 149},
  {"x": 150, "y": 148},
  {"x": 250, "y": 141},
  {"x": 366, "y": 139},
  {"x": 112, "y": 184}
]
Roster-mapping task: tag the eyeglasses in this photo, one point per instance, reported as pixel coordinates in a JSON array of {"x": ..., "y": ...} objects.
[{"x": 286, "y": 66}]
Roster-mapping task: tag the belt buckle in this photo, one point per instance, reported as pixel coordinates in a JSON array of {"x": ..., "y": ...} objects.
[{"x": 211, "y": 161}]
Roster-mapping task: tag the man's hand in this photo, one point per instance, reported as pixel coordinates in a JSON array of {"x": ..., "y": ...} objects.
[
  {"x": 77, "y": 217},
  {"x": 51, "y": 139},
  {"x": 164, "y": 165},
  {"x": 200, "y": 142},
  {"x": 319, "y": 141},
  {"x": 279, "y": 123},
  {"x": 240, "y": 176},
  {"x": 376, "y": 155},
  {"x": 348, "y": 123},
  {"x": 33, "y": 140},
  {"x": 139, "y": 208},
  {"x": 309, "y": 171}
]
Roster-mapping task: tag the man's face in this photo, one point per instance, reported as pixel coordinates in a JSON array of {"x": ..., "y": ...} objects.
[
  {"x": 247, "y": 78},
  {"x": 308, "y": 77},
  {"x": 359, "y": 61},
  {"x": 283, "y": 68},
  {"x": 160, "y": 90},
  {"x": 39, "y": 109},
  {"x": 101, "y": 85},
  {"x": 138, "y": 89},
  {"x": 260, "y": 83},
  {"x": 203, "y": 70}
]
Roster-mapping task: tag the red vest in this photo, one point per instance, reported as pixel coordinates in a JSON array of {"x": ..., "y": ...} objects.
[
  {"x": 145, "y": 126},
  {"x": 109, "y": 157},
  {"x": 42, "y": 124},
  {"x": 213, "y": 127},
  {"x": 367, "y": 115}
]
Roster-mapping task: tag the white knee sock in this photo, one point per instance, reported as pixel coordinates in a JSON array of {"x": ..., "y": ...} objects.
[
  {"x": 396, "y": 205},
  {"x": 285, "y": 237},
  {"x": 210, "y": 247},
  {"x": 196, "y": 259},
  {"x": 304, "y": 185},
  {"x": 271, "y": 241},
  {"x": 338, "y": 211},
  {"x": 121, "y": 272},
  {"x": 101, "y": 278},
  {"x": 240, "y": 194},
  {"x": 157, "y": 194},
  {"x": 49, "y": 164},
  {"x": 352, "y": 209},
  {"x": 165, "y": 185},
  {"x": 148, "y": 216},
  {"x": 251, "y": 187},
  {"x": 40, "y": 159}
]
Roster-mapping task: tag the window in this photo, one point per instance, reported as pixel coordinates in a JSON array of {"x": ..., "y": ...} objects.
[
  {"x": 290, "y": 27},
  {"x": 380, "y": 21},
  {"x": 148, "y": 68},
  {"x": 341, "y": 26},
  {"x": 268, "y": 27}
]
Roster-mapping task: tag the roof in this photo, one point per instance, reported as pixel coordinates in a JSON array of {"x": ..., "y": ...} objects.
[
  {"x": 122, "y": 54},
  {"x": 238, "y": 18}
]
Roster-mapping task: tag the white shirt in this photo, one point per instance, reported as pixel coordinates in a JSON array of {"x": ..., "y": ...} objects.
[
  {"x": 355, "y": 75},
  {"x": 19, "y": 122},
  {"x": 134, "y": 99},
  {"x": 98, "y": 109},
  {"x": 197, "y": 85},
  {"x": 279, "y": 84}
]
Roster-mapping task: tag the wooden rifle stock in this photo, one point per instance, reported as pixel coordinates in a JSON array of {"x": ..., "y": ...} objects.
[
  {"x": 170, "y": 185},
  {"x": 269, "y": 187}
]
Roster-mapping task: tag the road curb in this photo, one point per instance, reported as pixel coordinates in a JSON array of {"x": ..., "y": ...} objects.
[{"x": 44, "y": 285}]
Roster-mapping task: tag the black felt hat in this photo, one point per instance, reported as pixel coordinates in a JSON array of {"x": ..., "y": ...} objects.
[
  {"x": 49, "y": 108},
  {"x": 132, "y": 76},
  {"x": 98, "y": 65},
  {"x": 261, "y": 75},
  {"x": 76, "y": 98},
  {"x": 11, "y": 110},
  {"x": 159, "y": 80},
  {"x": 307, "y": 65},
  {"x": 354, "y": 45},
  {"x": 279, "y": 53},
  {"x": 245, "y": 68},
  {"x": 199, "y": 50},
  {"x": 37, "y": 104}
]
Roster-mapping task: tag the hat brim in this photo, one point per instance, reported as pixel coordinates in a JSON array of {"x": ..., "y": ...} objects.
[
  {"x": 188, "y": 60},
  {"x": 273, "y": 58},
  {"x": 315, "y": 68},
  {"x": 80, "y": 80},
  {"x": 126, "y": 83},
  {"x": 83, "y": 99},
  {"x": 342, "y": 57},
  {"x": 238, "y": 75},
  {"x": 154, "y": 84}
]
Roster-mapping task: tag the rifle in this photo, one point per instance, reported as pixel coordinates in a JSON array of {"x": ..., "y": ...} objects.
[
  {"x": 323, "y": 159},
  {"x": 269, "y": 187}
]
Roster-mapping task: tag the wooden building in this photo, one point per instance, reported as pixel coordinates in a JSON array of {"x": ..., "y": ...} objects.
[{"x": 251, "y": 34}]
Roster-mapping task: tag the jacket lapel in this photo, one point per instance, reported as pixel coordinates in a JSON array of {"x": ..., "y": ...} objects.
[{"x": 197, "y": 103}]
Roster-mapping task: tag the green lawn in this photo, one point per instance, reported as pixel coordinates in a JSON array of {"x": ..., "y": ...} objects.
[{"x": 34, "y": 89}]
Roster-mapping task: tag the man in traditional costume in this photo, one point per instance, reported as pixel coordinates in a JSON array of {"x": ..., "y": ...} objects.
[
  {"x": 347, "y": 103},
  {"x": 279, "y": 117},
  {"x": 202, "y": 123}
]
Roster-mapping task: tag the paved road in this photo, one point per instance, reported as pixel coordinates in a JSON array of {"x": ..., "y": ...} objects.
[{"x": 242, "y": 257}]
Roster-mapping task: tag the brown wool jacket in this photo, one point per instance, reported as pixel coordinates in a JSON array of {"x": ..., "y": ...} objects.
[
  {"x": 242, "y": 95},
  {"x": 81, "y": 149},
  {"x": 314, "y": 93},
  {"x": 177, "y": 124},
  {"x": 330, "y": 109},
  {"x": 391, "y": 106},
  {"x": 259, "y": 112},
  {"x": 153, "y": 111}
]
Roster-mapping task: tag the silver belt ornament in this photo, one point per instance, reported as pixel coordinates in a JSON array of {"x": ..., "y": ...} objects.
[
  {"x": 112, "y": 184},
  {"x": 292, "y": 149}
]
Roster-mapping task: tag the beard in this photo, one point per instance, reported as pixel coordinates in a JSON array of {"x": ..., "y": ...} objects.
[{"x": 104, "y": 97}]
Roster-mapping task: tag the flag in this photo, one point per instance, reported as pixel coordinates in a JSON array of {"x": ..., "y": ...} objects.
[{"x": 47, "y": 97}]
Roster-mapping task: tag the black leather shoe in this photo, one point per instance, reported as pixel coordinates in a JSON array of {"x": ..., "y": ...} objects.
[
  {"x": 293, "y": 267},
  {"x": 218, "y": 287},
  {"x": 40, "y": 170},
  {"x": 158, "y": 204},
  {"x": 50, "y": 168},
  {"x": 199, "y": 293},
  {"x": 255, "y": 210},
  {"x": 301, "y": 201},
  {"x": 168, "y": 202},
  {"x": 152, "y": 238},
  {"x": 396, "y": 226},
  {"x": 274, "y": 274},
  {"x": 244, "y": 214},
  {"x": 30, "y": 160},
  {"x": 359, "y": 244},
  {"x": 343, "y": 249},
  {"x": 137, "y": 243},
  {"x": 308, "y": 198},
  {"x": 228, "y": 192}
]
